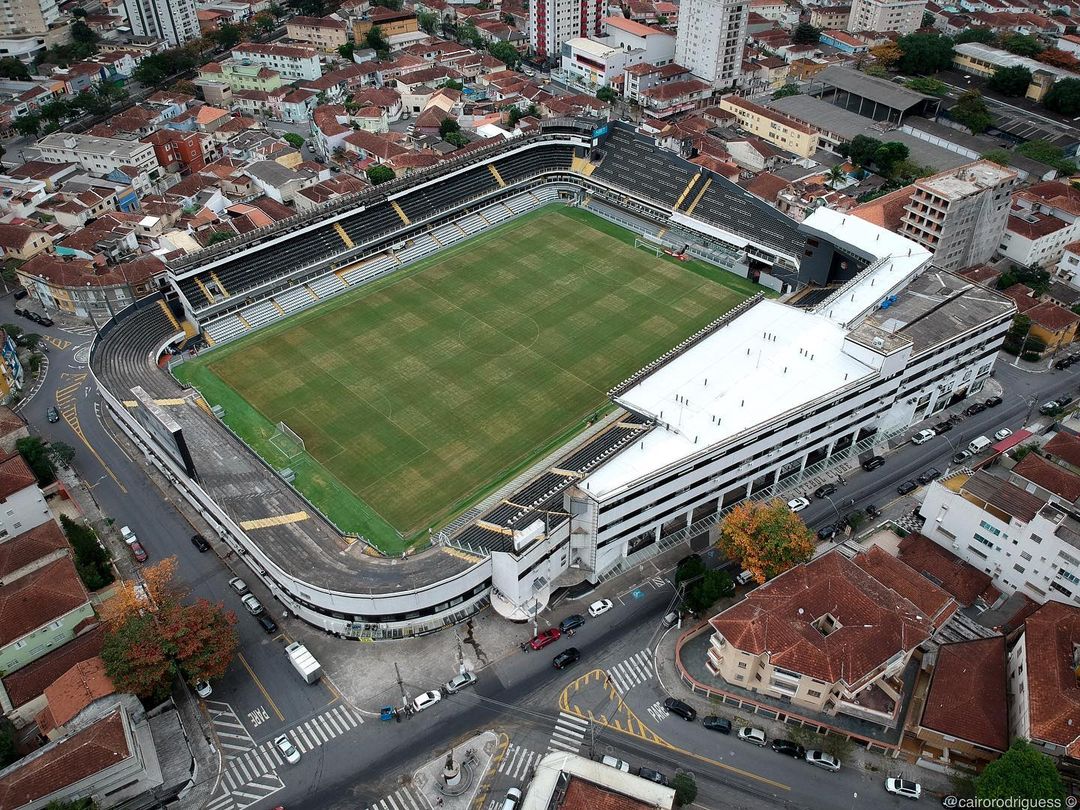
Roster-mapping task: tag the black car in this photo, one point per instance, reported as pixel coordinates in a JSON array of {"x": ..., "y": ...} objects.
[
  {"x": 929, "y": 475},
  {"x": 199, "y": 542},
  {"x": 942, "y": 427},
  {"x": 1063, "y": 363},
  {"x": 22, "y": 313},
  {"x": 566, "y": 658},
  {"x": 962, "y": 456},
  {"x": 52, "y": 415},
  {"x": 873, "y": 463},
  {"x": 824, "y": 490},
  {"x": 714, "y": 723},
  {"x": 1064, "y": 400},
  {"x": 789, "y": 748},
  {"x": 684, "y": 710},
  {"x": 572, "y": 622},
  {"x": 825, "y": 532},
  {"x": 992, "y": 402},
  {"x": 44, "y": 320},
  {"x": 978, "y": 407},
  {"x": 652, "y": 776},
  {"x": 267, "y": 624},
  {"x": 906, "y": 487},
  {"x": 21, "y": 293},
  {"x": 689, "y": 558}
]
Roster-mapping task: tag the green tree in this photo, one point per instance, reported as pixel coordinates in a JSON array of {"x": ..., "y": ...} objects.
[
  {"x": 971, "y": 111},
  {"x": 705, "y": 592},
  {"x": 35, "y": 453},
  {"x": 309, "y": 8},
  {"x": 293, "y": 139},
  {"x": 264, "y": 22},
  {"x": 998, "y": 156},
  {"x": 505, "y": 53},
  {"x": 924, "y": 53},
  {"x": 61, "y": 453},
  {"x": 154, "y": 70},
  {"x": 1010, "y": 81},
  {"x": 836, "y": 175},
  {"x": 1064, "y": 97},
  {"x": 227, "y": 35},
  {"x": 1021, "y": 44},
  {"x": 457, "y": 139},
  {"x": 84, "y": 34},
  {"x": 1046, "y": 152},
  {"x": 923, "y": 84},
  {"x": 427, "y": 20},
  {"x": 452, "y": 84},
  {"x": 55, "y": 110},
  {"x": 71, "y": 804},
  {"x": 789, "y": 89},
  {"x": 29, "y": 124},
  {"x": 805, "y": 34},
  {"x": 860, "y": 150},
  {"x": 375, "y": 40},
  {"x": 983, "y": 36},
  {"x": 690, "y": 569},
  {"x": 889, "y": 155},
  {"x": 12, "y": 68},
  {"x": 685, "y": 788},
  {"x": 448, "y": 126},
  {"x": 8, "y": 752},
  {"x": 1035, "y": 278},
  {"x": 395, "y": 5},
  {"x": 346, "y": 51},
  {"x": 1023, "y": 772},
  {"x": 467, "y": 33},
  {"x": 92, "y": 561},
  {"x": 379, "y": 174},
  {"x": 606, "y": 94}
]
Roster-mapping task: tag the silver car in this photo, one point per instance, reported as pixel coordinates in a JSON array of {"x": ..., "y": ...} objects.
[
  {"x": 458, "y": 683},
  {"x": 822, "y": 760}
]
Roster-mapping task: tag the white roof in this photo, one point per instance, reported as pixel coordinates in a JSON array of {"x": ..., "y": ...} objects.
[
  {"x": 1000, "y": 58},
  {"x": 591, "y": 47},
  {"x": 765, "y": 361},
  {"x": 551, "y": 766}
]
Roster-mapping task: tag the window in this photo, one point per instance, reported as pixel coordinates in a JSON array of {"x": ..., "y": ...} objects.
[
  {"x": 989, "y": 528},
  {"x": 742, "y": 665},
  {"x": 1024, "y": 555},
  {"x": 1018, "y": 569},
  {"x": 813, "y": 693},
  {"x": 983, "y": 540}
]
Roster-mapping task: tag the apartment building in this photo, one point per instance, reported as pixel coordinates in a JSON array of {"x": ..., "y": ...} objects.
[
  {"x": 327, "y": 34},
  {"x": 173, "y": 21},
  {"x": 590, "y": 64},
  {"x": 99, "y": 155},
  {"x": 961, "y": 214},
  {"x": 886, "y": 16},
  {"x": 291, "y": 62},
  {"x": 658, "y": 45},
  {"x": 711, "y": 39},
  {"x": 553, "y": 22},
  {"x": 774, "y": 127}
]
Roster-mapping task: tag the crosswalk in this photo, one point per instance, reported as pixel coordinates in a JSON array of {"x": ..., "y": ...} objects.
[
  {"x": 636, "y": 669},
  {"x": 232, "y": 735},
  {"x": 569, "y": 733},
  {"x": 517, "y": 761},
  {"x": 256, "y": 790},
  {"x": 405, "y": 798}
]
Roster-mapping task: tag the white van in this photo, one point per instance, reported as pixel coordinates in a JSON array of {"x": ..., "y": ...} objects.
[
  {"x": 618, "y": 764},
  {"x": 979, "y": 444}
]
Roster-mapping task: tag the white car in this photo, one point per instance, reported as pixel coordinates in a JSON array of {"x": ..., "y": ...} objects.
[
  {"x": 128, "y": 535},
  {"x": 617, "y": 764},
  {"x": 426, "y": 700},
  {"x": 798, "y": 504},
  {"x": 754, "y": 736},
  {"x": 287, "y": 750},
  {"x": 1004, "y": 433},
  {"x": 203, "y": 689},
  {"x": 923, "y": 436},
  {"x": 903, "y": 787},
  {"x": 253, "y": 605},
  {"x": 823, "y": 760},
  {"x": 238, "y": 585},
  {"x": 600, "y": 608}
]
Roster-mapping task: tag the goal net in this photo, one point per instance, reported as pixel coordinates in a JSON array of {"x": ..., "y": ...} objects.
[
  {"x": 287, "y": 441},
  {"x": 651, "y": 247}
]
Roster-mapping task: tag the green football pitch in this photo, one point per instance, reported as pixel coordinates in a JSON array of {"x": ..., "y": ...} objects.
[{"x": 419, "y": 394}]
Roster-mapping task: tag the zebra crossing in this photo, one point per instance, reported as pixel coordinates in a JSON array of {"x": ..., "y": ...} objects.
[
  {"x": 232, "y": 735},
  {"x": 254, "y": 791},
  {"x": 517, "y": 761},
  {"x": 82, "y": 331},
  {"x": 636, "y": 669},
  {"x": 569, "y": 733},
  {"x": 405, "y": 798}
]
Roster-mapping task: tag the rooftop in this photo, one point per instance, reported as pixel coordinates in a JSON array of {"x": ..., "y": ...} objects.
[
  {"x": 635, "y": 28},
  {"x": 73, "y": 691},
  {"x": 15, "y": 476},
  {"x": 967, "y": 695},
  {"x": 1051, "y": 634},
  {"x": 89, "y": 144},
  {"x": 964, "y": 181},
  {"x": 38, "y": 598},
  {"x": 984, "y": 488},
  {"x": 1064, "y": 446},
  {"x": 30, "y": 546},
  {"x": 880, "y": 90},
  {"x": 965, "y": 582},
  {"x": 28, "y": 682}
]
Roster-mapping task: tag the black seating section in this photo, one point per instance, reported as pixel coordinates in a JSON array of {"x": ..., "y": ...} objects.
[
  {"x": 533, "y": 161},
  {"x": 734, "y": 209},
  {"x": 423, "y": 202},
  {"x": 369, "y": 224},
  {"x": 122, "y": 358},
  {"x": 636, "y": 164}
]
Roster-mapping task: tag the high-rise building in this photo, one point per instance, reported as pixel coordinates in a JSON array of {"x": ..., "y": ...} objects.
[
  {"x": 553, "y": 22},
  {"x": 171, "y": 20},
  {"x": 883, "y": 16},
  {"x": 711, "y": 39},
  {"x": 960, "y": 214},
  {"x": 28, "y": 27}
]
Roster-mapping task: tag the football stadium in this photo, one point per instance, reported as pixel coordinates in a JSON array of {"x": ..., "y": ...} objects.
[{"x": 532, "y": 366}]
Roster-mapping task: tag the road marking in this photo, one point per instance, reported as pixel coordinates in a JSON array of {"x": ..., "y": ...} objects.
[
  {"x": 635, "y": 670},
  {"x": 405, "y": 794},
  {"x": 262, "y": 688},
  {"x": 66, "y": 399}
]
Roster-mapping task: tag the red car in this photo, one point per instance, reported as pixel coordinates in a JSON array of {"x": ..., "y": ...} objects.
[
  {"x": 545, "y": 638},
  {"x": 138, "y": 552}
]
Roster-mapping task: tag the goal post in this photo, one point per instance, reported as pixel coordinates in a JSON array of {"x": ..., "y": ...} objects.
[
  {"x": 646, "y": 244},
  {"x": 287, "y": 441}
]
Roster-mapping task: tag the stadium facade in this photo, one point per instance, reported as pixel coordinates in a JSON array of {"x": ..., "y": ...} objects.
[{"x": 767, "y": 398}]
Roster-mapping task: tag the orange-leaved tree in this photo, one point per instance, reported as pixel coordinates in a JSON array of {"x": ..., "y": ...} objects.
[{"x": 766, "y": 536}]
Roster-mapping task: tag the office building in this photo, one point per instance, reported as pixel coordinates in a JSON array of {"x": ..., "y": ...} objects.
[{"x": 711, "y": 39}]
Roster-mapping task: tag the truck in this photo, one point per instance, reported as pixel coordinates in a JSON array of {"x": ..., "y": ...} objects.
[
  {"x": 979, "y": 444},
  {"x": 304, "y": 662}
]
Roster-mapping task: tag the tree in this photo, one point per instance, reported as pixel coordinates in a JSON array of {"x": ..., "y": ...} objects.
[
  {"x": 61, "y": 453},
  {"x": 685, "y": 788},
  {"x": 427, "y": 20},
  {"x": 1038, "y": 280},
  {"x": 153, "y": 635},
  {"x": 264, "y": 22},
  {"x": 1010, "y": 81},
  {"x": 789, "y": 89},
  {"x": 227, "y": 35},
  {"x": 836, "y": 175},
  {"x": 692, "y": 568},
  {"x": 924, "y": 53},
  {"x": 448, "y": 126},
  {"x": 468, "y": 34},
  {"x": 379, "y": 174},
  {"x": 860, "y": 150},
  {"x": 886, "y": 55},
  {"x": 998, "y": 156},
  {"x": 1064, "y": 97},
  {"x": 922, "y": 84},
  {"x": 155, "y": 69},
  {"x": 84, "y": 34},
  {"x": 805, "y": 34},
  {"x": 452, "y": 84},
  {"x": 309, "y": 8},
  {"x": 984, "y": 36},
  {"x": 12, "y": 68},
  {"x": 766, "y": 537},
  {"x": 293, "y": 139},
  {"x": 970, "y": 111},
  {"x": 1021, "y": 44},
  {"x": 1023, "y": 772},
  {"x": 375, "y": 40},
  {"x": 29, "y": 124},
  {"x": 1046, "y": 152},
  {"x": 8, "y": 752},
  {"x": 505, "y": 53},
  {"x": 705, "y": 592},
  {"x": 457, "y": 139},
  {"x": 346, "y": 51},
  {"x": 55, "y": 110},
  {"x": 606, "y": 94},
  {"x": 92, "y": 561},
  {"x": 889, "y": 155},
  {"x": 71, "y": 804},
  {"x": 1059, "y": 58},
  {"x": 36, "y": 455}
]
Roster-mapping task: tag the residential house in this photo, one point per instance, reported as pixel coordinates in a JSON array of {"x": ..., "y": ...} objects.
[
  {"x": 326, "y": 34},
  {"x": 177, "y": 152},
  {"x": 78, "y": 287},
  {"x": 291, "y": 62},
  {"x": 772, "y": 126},
  {"x": 23, "y": 242},
  {"x": 99, "y": 155},
  {"x": 278, "y": 182}
]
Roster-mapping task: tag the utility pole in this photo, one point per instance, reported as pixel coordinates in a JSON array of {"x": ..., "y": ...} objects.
[
  {"x": 592, "y": 740},
  {"x": 401, "y": 686}
]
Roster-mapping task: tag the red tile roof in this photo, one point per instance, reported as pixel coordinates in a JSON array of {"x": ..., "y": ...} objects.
[
  {"x": 38, "y": 598},
  {"x": 15, "y": 475},
  {"x": 1052, "y": 317},
  {"x": 1022, "y": 295},
  {"x": 584, "y": 795},
  {"x": 25, "y": 548},
  {"x": 967, "y": 695},
  {"x": 935, "y": 603},
  {"x": 939, "y": 565},
  {"x": 887, "y": 210},
  {"x": 1048, "y": 476},
  {"x": 74, "y": 691},
  {"x": 1053, "y": 193},
  {"x": 875, "y": 621},
  {"x": 67, "y": 761},
  {"x": 1053, "y": 693},
  {"x": 767, "y": 185},
  {"x": 1064, "y": 446},
  {"x": 30, "y": 681}
]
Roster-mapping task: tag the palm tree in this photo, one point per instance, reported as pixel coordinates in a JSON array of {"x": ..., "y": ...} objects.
[{"x": 836, "y": 174}]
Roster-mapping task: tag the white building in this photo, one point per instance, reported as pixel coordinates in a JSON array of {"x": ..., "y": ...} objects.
[
  {"x": 1068, "y": 267},
  {"x": 590, "y": 64},
  {"x": 173, "y": 21},
  {"x": 22, "y": 506},
  {"x": 1034, "y": 238},
  {"x": 657, "y": 46},
  {"x": 885, "y": 16},
  {"x": 99, "y": 155},
  {"x": 292, "y": 62},
  {"x": 711, "y": 39},
  {"x": 553, "y": 22}
]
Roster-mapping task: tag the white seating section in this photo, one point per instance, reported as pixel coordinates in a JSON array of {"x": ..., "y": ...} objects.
[
  {"x": 327, "y": 285},
  {"x": 296, "y": 298},
  {"x": 226, "y": 329}
]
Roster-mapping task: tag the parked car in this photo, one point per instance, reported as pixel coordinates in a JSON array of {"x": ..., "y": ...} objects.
[
  {"x": 943, "y": 427},
  {"x": 1064, "y": 400},
  {"x": 903, "y": 787},
  {"x": 1063, "y": 363},
  {"x": 600, "y": 607},
  {"x": 961, "y": 457},
  {"x": 287, "y": 750},
  {"x": 652, "y": 776},
  {"x": 512, "y": 800},
  {"x": 1049, "y": 407},
  {"x": 571, "y": 622},
  {"x": 426, "y": 700},
  {"x": 253, "y": 605},
  {"x": 873, "y": 463},
  {"x": 714, "y": 723},
  {"x": 616, "y": 763},
  {"x": 545, "y": 637},
  {"x": 266, "y": 623},
  {"x": 52, "y": 415},
  {"x": 992, "y": 402},
  {"x": 44, "y": 320},
  {"x": 798, "y": 504},
  {"x": 199, "y": 542},
  {"x": 238, "y": 585},
  {"x": 827, "y": 531},
  {"x": 1004, "y": 433},
  {"x": 684, "y": 710},
  {"x": 459, "y": 682},
  {"x": 788, "y": 748},
  {"x": 822, "y": 760},
  {"x": 203, "y": 689},
  {"x": 21, "y": 293},
  {"x": 754, "y": 736},
  {"x": 566, "y": 658},
  {"x": 689, "y": 558},
  {"x": 138, "y": 552},
  {"x": 906, "y": 487},
  {"x": 929, "y": 475},
  {"x": 923, "y": 436},
  {"x": 128, "y": 535},
  {"x": 824, "y": 490},
  {"x": 971, "y": 410}
]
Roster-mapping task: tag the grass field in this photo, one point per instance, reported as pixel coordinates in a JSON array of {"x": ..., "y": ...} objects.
[{"x": 419, "y": 394}]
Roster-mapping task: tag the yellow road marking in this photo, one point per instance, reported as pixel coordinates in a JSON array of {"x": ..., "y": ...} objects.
[
  {"x": 262, "y": 688},
  {"x": 214, "y": 276},
  {"x": 68, "y": 406},
  {"x": 59, "y": 343},
  {"x": 274, "y": 520}
]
